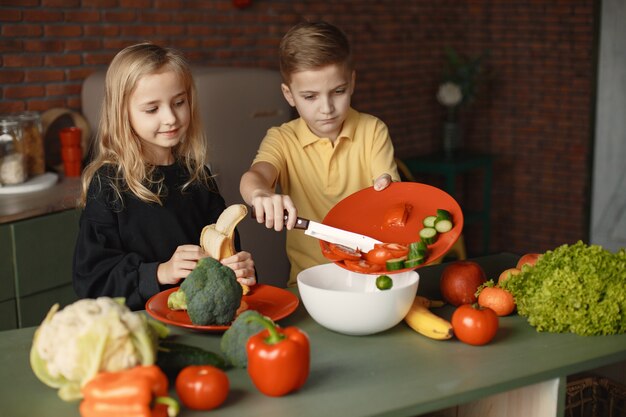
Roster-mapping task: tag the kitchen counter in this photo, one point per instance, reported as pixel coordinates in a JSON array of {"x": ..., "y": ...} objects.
[
  {"x": 62, "y": 196},
  {"x": 394, "y": 373}
]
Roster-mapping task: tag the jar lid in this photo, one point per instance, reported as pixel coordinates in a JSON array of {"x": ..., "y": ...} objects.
[{"x": 29, "y": 115}]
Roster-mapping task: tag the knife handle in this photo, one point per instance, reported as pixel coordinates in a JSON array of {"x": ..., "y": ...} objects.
[{"x": 301, "y": 223}]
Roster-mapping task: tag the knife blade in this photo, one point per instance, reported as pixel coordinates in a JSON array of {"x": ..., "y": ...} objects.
[
  {"x": 331, "y": 234},
  {"x": 335, "y": 235}
]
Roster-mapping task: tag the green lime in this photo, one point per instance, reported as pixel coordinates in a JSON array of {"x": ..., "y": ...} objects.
[{"x": 383, "y": 282}]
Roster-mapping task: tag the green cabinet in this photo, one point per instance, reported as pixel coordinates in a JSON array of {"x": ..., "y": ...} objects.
[
  {"x": 36, "y": 266},
  {"x": 8, "y": 309}
]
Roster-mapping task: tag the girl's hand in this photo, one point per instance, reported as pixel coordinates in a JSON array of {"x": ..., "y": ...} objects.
[
  {"x": 270, "y": 209},
  {"x": 382, "y": 182},
  {"x": 182, "y": 262},
  {"x": 243, "y": 265}
]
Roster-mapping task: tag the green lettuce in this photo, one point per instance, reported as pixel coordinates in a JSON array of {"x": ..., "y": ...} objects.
[{"x": 575, "y": 288}]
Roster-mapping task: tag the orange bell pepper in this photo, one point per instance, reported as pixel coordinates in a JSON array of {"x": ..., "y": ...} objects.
[
  {"x": 136, "y": 392},
  {"x": 278, "y": 359}
]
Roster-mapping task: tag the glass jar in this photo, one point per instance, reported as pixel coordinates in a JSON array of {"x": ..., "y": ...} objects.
[
  {"x": 32, "y": 142},
  {"x": 12, "y": 162}
]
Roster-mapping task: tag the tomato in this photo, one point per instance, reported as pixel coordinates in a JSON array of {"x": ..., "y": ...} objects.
[
  {"x": 397, "y": 215},
  {"x": 474, "y": 325},
  {"x": 363, "y": 266},
  {"x": 379, "y": 255},
  {"x": 330, "y": 255},
  {"x": 202, "y": 387},
  {"x": 397, "y": 250},
  {"x": 344, "y": 252}
]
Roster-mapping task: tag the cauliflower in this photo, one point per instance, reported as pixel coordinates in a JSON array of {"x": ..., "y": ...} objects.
[
  {"x": 89, "y": 336},
  {"x": 210, "y": 293}
]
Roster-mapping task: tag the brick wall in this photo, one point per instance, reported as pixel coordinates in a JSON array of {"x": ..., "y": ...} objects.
[{"x": 534, "y": 114}]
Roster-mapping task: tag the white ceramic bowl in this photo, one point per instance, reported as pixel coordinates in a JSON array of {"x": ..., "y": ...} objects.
[{"x": 348, "y": 302}]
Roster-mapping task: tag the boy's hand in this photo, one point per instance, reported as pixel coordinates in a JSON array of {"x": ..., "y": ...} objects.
[
  {"x": 270, "y": 209},
  {"x": 243, "y": 265},
  {"x": 182, "y": 262},
  {"x": 382, "y": 182}
]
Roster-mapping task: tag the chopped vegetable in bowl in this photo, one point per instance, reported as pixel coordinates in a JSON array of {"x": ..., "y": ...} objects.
[{"x": 575, "y": 288}]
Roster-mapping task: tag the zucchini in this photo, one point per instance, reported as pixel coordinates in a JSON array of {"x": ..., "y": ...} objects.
[
  {"x": 443, "y": 226},
  {"x": 429, "y": 221},
  {"x": 172, "y": 357},
  {"x": 395, "y": 264},
  {"x": 428, "y": 235}
]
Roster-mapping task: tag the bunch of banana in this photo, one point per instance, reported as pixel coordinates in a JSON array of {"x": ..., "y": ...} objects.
[
  {"x": 425, "y": 322},
  {"x": 218, "y": 239}
]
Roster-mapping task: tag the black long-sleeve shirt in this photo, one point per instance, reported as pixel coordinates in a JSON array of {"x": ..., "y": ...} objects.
[{"x": 121, "y": 243}]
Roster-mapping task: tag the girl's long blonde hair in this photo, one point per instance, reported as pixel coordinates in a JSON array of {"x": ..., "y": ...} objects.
[{"x": 116, "y": 143}]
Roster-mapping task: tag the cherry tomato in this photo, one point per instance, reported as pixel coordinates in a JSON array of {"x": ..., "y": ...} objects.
[
  {"x": 474, "y": 325},
  {"x": 202, "y": 387},
  {"x": 379, "y": 255},
  {"x": 344, "y": 252},
  {"x": 363, "y": 266}
]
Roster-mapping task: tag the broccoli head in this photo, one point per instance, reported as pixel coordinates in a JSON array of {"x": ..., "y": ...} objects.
[
  {"x": 234, "y": 340},
  {"x": 212, "y": 292}
]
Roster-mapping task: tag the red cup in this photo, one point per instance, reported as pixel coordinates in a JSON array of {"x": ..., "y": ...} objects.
[
  {"x": 71, "y": 153},
  {"x": 72, "y": 169},
  {"x": 70, "y": 136}
]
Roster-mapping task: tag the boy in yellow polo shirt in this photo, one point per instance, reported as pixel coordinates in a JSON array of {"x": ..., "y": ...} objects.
[{"x": 328, "y": 153}]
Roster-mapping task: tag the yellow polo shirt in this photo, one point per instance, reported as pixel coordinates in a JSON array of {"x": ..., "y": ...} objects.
[{"x": 317, "y": 175}]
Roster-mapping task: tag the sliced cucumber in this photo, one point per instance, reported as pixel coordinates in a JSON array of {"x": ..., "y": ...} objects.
[
  {"x": 443, "y": 226},
  {"x": 414, "y": 263},
  {"x": 429, "y": 221},
  {"x": 428, "y": 235},
  {"x": 443, "y": 214},
  {"x": 395, "y": 264},
  {"x": 417, "y": 250}
]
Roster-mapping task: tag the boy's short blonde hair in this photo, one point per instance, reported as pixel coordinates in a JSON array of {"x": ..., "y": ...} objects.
[{"x": 312, "y": 45}]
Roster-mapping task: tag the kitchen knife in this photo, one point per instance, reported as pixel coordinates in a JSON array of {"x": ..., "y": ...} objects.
[{"x": 332, "y": 234}]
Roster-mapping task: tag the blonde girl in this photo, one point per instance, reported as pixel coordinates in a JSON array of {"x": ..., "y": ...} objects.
[{"x": 147, "y": 194}]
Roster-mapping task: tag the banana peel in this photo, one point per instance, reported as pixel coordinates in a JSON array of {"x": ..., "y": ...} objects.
[
  {"x": 218, "y": 239},
  {"x": 425, "y": 322}
]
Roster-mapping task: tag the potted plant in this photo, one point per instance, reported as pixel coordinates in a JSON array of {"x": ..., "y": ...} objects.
[{"x": 458, "y": 88}]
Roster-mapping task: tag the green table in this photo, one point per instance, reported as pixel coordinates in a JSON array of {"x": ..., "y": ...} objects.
[
  {"x": 394, "y": 373},
  {"x": 450, "y": 166}
]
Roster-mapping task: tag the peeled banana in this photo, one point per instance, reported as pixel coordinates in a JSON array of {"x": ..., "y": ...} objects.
[
  {"x": 425, "y": 322},
  {"x": 218, "y": 239}
]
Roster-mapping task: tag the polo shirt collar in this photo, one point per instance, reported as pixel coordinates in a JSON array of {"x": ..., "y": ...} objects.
[{"x": 306, "y": 137}]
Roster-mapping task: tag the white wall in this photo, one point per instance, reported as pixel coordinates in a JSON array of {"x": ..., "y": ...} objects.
[{"x": 608, "y": 207}]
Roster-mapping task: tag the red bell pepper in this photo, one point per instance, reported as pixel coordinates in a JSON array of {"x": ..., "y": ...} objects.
[{"x": 278, "y": 359}]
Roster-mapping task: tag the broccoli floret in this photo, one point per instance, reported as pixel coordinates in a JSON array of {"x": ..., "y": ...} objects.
[
  {"x": 177, "y": 301},
  {"x": 234, "y": 340},
  {"x": 213, "y": 293}
]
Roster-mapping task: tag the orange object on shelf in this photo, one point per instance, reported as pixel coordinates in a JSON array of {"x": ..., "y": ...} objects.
[{"x": 71, "y": 152}]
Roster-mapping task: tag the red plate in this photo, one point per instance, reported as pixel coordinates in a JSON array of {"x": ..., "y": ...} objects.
[
  {"x": 273, "y": 302},
  {"x": 364, "y": 211}
]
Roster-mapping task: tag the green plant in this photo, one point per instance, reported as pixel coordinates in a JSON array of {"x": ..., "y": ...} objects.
[{"x": 464, "y": 71}]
